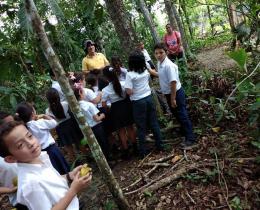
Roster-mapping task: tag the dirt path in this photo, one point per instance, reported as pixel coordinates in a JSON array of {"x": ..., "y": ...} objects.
[{"x": 215, "y": 59}]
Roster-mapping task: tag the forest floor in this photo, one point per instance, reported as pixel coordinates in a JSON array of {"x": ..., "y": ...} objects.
[{"x": 221, "y": 172}]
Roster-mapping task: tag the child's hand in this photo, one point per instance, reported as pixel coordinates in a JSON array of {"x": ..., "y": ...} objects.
[
  {"x": 102, "y": 116},
  {"x": 173, "y": 103},
  {"x": 79, "y": 183},
  {"x": 74, "y": 172}
]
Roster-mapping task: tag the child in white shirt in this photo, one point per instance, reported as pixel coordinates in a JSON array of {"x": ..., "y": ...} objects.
[
  {"x": 144, "y": 112},
  {"x": 93, "y": 117},
  {"x": 40, "y": 186},
  {"x": 117, "y": 65},
  {"x": 40, "y": 127}
]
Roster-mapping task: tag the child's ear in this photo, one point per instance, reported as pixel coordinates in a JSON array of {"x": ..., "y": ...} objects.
[{"x": 10, "y": 159}]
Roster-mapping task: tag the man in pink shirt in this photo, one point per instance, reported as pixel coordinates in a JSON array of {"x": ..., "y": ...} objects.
[{"x": 172, "y": 40}]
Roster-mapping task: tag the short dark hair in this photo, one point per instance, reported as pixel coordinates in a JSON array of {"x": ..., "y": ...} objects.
[
  {"x": 24, "y": 111},
  {"x": 4, "y": 131},
  {"x": 3, "y": 115},
  {"x": 160, "y": 46},
  {"x": 136, "y": 62}
]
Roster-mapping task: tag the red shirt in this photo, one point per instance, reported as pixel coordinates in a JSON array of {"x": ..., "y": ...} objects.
[{"x": 171, "y": 42}]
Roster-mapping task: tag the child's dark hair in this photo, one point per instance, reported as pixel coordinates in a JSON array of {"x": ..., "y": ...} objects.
[
  {"x": 53, "y": 98},
  {"x": 136, "y": 62},
  {"x": 3, "y": 115},
  {"x": 114, "y": 60},
  {"x": 111, "y": 75},
  {"x": 91, "y": 80},
  {"x": 160, "y": 46},
  {"x": 76, "y": 92},
  {"x": 24, "y": 111},
  {"x": 5, "y": 129},
  {"x": 79, "y": 76}
]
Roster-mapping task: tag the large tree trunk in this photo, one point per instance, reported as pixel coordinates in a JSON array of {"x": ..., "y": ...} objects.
[
  {"x": 148, "y": 20},
  {"x": 74, "y": 105},
  {"x": 124, "y": 29},
  {"x": 187, "y": 18},
  {"x": 168, "y": 7},
  {"x": 231, "y": 15}
]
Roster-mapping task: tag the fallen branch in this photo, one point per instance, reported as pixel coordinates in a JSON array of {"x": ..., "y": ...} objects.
[
  {"x": 174, "y": 176},
  {"x": 142, "y": 161},
  {"x": 141, "y": 178},
  {"x": 157, "y": 179},
  {"x": 189, "y": 196},
  {"x": 163, "y": 159},
  {"x": 157, "y": 164}
]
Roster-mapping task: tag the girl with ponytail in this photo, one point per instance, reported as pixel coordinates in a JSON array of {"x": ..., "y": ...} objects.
[
  {"x": 59, "y": 110},
  {"x": 121, "y": 111}
]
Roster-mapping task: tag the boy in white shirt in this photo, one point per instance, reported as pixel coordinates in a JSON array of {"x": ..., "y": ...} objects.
[
  {"x": 171, "y": 87},
  {"x": 40, "y": 187}
]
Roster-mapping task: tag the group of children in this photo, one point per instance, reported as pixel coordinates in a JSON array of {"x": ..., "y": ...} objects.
[{"x": 123, "y": 103}]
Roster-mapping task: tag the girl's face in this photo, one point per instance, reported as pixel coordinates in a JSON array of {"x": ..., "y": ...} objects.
[
  {"x": 160, "y": 54},
  {"x": 117, "y": 65},
  {"x": 83, "y": 82}
]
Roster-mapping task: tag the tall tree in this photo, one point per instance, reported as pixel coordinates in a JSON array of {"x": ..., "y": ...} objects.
[
  {"x": 187, "y": 18},
  {"x": 59, "y": 72},
  {"x": 148, "y": 20},
  {"x": 168, "y": 8},
  {"x": 124, "y": 29},
  {"x": 176, "y": 16},
  {"x": 210, "y": 21}
]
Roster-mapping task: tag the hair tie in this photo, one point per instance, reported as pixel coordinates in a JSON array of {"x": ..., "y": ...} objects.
[
  {"x": 110, "y": 69},
  {"x": 16, "y": 114}
]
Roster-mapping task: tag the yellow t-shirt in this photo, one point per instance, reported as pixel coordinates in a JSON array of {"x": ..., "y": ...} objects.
[{"x": 96, "y": 62}]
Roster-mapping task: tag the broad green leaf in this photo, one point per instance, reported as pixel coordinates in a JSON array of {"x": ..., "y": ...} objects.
[
  {"x": 239, "y": 56},
  {"x": 13, "y": 101}
]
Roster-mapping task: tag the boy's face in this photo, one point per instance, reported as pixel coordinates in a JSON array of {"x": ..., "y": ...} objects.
[
  {"x": 22, "y": 145},
  {"x": 160, "y": 54}
]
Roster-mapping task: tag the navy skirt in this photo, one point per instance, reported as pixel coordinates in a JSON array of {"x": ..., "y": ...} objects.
[
  {"x": 67, "y": 132},
  {"x": 57, "y": 159},
  {"x": 121, "y": 114}
]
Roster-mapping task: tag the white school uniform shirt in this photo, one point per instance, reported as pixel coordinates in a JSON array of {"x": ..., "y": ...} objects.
[
  {"x": 90, "y": 95},
  {"x": 41, "y": 130},
  {"x": 146, "y": 55},
  {"x": 122, "y": 76},
  {"x": 8, "y": 171},
  {"x": 89, "y": 110},
  {"x": 109, "y": 93},
  {"x": 65, "y": 107},
  {"x": 168, "y": 72},
  {"x": 40, "y": 186},
  {"x": 139, "y": 83},
  {"x": 56, "y": 86}
]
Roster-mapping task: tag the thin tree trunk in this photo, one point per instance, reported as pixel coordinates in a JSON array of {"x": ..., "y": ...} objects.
[
  {"x": 187, "y": 18},
  {"x": 124, "y": 29},
  {"x": 210, "y": 21},
  {"x": 230, "y": 7},
  {"x": 74, "y": 105},
  {"x": 148, "y": 20},
  {"x": 168, "y": 7},
  {"x": 181, "y": 28}
]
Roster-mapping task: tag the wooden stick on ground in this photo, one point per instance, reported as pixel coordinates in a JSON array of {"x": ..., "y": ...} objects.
[
  {"x": 163, "y": 159},
  {"x": 157, "y": 164}
]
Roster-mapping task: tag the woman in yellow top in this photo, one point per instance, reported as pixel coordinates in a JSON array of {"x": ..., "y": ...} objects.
[{"x": 93, "y": 62}]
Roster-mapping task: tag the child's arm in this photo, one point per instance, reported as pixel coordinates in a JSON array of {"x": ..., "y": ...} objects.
[
  {"x": 99, "y": 118},
  {"x": 78, "y": 184},
  {"x": 7, "y": 190},
  {"x": 153, "y": 72},
  {"x": 173, "y": 94},
  {"x": 97, "y": 99}
]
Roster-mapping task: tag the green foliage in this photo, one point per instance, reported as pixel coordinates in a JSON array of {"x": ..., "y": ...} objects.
[
  {"x": 240, "y": 57},
  {"x": 110, "y": 205},
  {"x": 236, "y": 203}
]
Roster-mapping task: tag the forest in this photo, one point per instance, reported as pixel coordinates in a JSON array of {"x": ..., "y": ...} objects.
[{"x": 219, "y": 71}]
